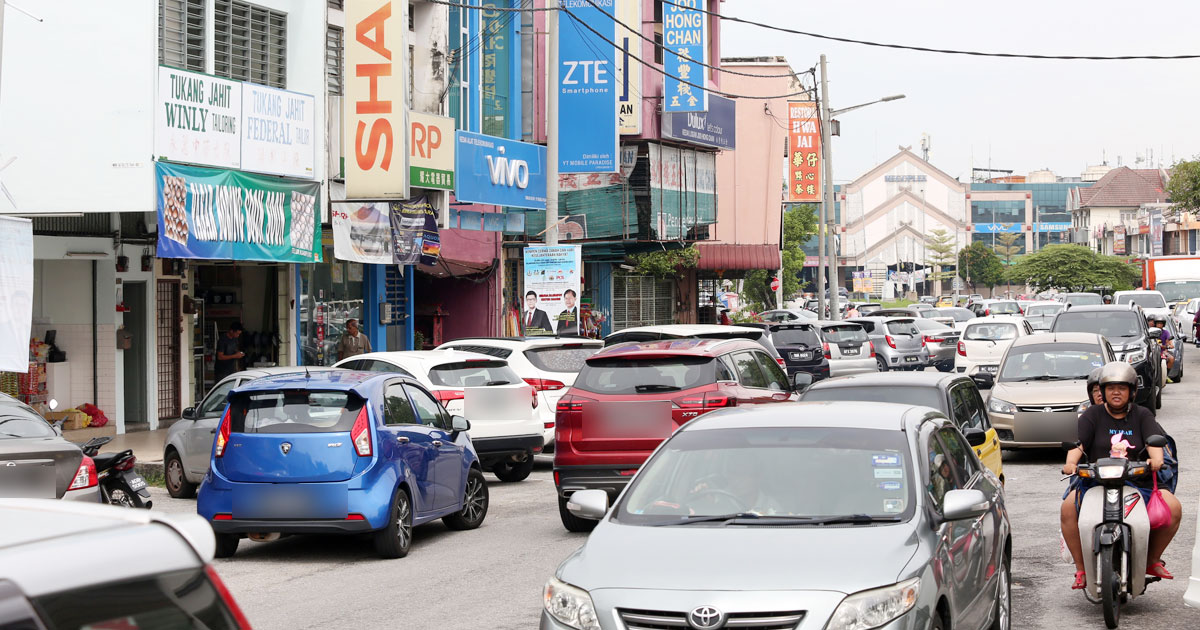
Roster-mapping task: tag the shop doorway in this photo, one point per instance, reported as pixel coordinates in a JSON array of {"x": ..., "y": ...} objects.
[
  {"x": 245, "y": 293},
  {"x": 134, "y": 360},
  {"x": 168, "y": 350}
]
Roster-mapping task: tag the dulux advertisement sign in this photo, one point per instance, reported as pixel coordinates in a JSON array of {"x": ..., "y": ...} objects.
[
  {"x": 587, "y": 90},
  {"x": 499, "y": 172}
]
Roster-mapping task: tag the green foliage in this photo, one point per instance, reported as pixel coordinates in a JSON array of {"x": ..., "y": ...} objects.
[
  {"x": 1007, "y": 249},
  {"x": 418, "y": 340},
  {"x": 979, "y": 266},
  {"x": 1072, "y": 268},
  {"x": 941, "y": 254},
  {"x": 799, "y": 224},
  {"x": 666, "y": 263},
  {"x": 1184, "y": 185}
]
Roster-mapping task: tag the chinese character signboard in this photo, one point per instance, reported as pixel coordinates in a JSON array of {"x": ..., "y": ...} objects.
[
  {"x": 494, "y": 80},
  {"x": 629, "y": 70},
  {"x": 685, "y": 41},
  {"x": 804, "y": 147},
  {"x": 431, "y": 151},
  {"x": 499, "y": 172},
  {"x": 587, "y": 88},
  {"x": 1119, "y": 240},
  {"x": 550, "y": 304},
  {"x": 374, "y": 104},
  {"x": 1156, "y": 232},
  {"x": 278, "y": 131}
]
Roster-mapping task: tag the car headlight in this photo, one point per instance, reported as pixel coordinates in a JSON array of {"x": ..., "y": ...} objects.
[
  {"x": 1001, "y": 406},
  {"x": 1137, "y": 356},
  {"x": 571, "y": 605},
  {"x": 1083, "y": 406},
  {"x": 1111, "y": 472},
  {"x": 871, "y": 609}
]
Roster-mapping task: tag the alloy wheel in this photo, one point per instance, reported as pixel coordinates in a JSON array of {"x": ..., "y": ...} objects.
[
  {"x": 1004, "y": 605},
  {"x": 403, "y": 528},
  {"x": 473, "y": 503}
]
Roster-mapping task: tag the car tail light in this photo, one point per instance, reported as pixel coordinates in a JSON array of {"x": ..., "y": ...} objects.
[
  {"x": 705, "y": 400},
  {"x": 933, "y": 339},
  {"x": 127, "y": 464},
  {"x": 962, "y": 349},
  {"x": 890, "y": 341},
  {"x": 923, "y": 342},
  {"x": 987, "y": 312},
  {"x": 223, "y": 434},
  {"x": 872, "y": 346},
  {"x": 825, "y": 348},
  {"x": 239, "y": 618},
  {"x": 444, "y": 396},
  {"x": 569, "y": 403},
  {"x": 779, "y": 360},
  {"x": 361, "y": 433},
  {"x": 534, "y": 391},
  {"x": 548, "y": 425},
  {"x": 355, "y": 517},
  {"x": 85, "y": 475},
  {"x": 545, "y": 384}
]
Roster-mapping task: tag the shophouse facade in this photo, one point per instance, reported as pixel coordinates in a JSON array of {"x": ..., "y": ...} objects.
[{"x": 1106, "y": 216}]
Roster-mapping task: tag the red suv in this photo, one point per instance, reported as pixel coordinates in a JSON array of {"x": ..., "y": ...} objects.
[{"x": 629, "y": 397}]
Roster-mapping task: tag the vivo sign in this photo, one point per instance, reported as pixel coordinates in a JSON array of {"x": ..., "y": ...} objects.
[{"x": 499, "y": 172}]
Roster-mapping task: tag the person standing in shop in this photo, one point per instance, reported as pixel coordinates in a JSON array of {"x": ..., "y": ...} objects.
[
  {"x": 352, "y": 342},
  {"x": 228, "y": 351}
]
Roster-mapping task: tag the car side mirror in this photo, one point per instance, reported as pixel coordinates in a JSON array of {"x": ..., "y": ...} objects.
[
  {"x": 189, "y": 413},
  {"x": 959, "y": 505},
  {"x": 459, "y": 423},
  {"x": 1155, "y": 331},
  {"x": 53, "y": 404},
  {"x": 984, "y": 380},
  {"x": 801, "y": 381},
  {"x": 975, "y": 436},
  {"x": 1157, "y": 441},
  {"x": 589, "y": 504}
]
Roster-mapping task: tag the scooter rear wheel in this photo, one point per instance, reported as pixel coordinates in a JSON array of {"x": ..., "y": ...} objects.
[{"x": 1110, "y": 586}]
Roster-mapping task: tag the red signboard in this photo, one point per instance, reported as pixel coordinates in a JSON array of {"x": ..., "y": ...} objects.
[{"x": 804, "y": 152}]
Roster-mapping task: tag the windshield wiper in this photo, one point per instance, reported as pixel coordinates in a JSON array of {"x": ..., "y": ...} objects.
[
  {"x": 1043, "y": 377},
  {"x": 495, "y": 383},
  {"x": 856, "y": 519},
  {"x": 656, "y": 387},
  {"x": 764, "y": 519}
]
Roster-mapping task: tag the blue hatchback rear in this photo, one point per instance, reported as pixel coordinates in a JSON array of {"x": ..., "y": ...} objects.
[{"x": 339, "y": 453}]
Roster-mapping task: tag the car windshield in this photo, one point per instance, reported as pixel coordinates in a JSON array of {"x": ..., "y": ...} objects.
[
  {"x": 1108, "y": 323},
  {"x": 617, "y": 375},
  {"x": 1051, "y": 362},
  {"x": 17, "y": 422},
  {"x": 293, "y": 411},
  {"x": 795, "y": 337},
  {"x": 1005, "y": 308},
  {"x": 1178, "y": 290},
  {"x": 906, "y": 395},
  {"x": 1144, "y": 300},
  {"x": 1084, "y": 299},
  {"x": 759, "y": 474},
  {"x": 990, "y": 331},
  {"x": 568, "y": 358},
  {"x": 903, "y": 327},
  {"x": 1043, "y": 309},
  {"x": 473, "y": 373},
  {"x": 959, "y": 314},
  {"x": 844, "y": 333}
]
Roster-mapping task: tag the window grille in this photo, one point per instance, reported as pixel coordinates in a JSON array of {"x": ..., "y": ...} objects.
[
  {"x": 334, "y": 64},
  {"x": 181, "y": 34},
  {"x": 250, "y": 43},
  {"x": 642, "y": 301}
]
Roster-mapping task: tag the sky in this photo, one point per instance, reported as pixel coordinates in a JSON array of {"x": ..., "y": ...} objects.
[{"x": 1010, "y": 113}]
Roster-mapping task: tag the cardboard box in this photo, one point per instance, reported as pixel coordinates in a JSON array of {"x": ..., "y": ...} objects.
[{"x": 75, "y": 419}]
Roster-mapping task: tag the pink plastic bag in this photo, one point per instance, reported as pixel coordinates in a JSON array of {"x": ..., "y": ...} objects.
[{"x": 1157, "y": 508}]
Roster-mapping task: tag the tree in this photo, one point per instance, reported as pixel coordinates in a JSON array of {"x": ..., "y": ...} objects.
[
  {"x": 978, "y": 264},
  {"x": 1007, "y": 249},
  {"x": 1072, "y": 268},
  {"x": 1184, "y": 185},
  {"x": 940, "y": 249},
  {"x": 799, "y": 224}
]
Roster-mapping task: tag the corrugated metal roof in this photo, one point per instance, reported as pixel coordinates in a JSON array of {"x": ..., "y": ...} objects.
[{"x": 728, "y": 256}]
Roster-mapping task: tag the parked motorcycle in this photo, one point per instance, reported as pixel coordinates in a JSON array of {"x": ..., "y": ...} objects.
[
  {"x": 120, "y": 484},
  {"x": 1114, "y": 527}
]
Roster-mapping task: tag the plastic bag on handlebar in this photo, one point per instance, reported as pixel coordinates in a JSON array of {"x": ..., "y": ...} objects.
[{"x": 1157, "y": 509}]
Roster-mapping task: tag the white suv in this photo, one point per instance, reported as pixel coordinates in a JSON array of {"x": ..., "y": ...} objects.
[{"x": 548, "y": 364}]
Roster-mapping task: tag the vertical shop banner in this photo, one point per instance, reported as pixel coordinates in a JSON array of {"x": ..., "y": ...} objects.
[
  {"x": 804, "y": 152},
  {"x": 1156, "y": 232},
  {"x": 415, "y": 238},
  {"x": 494, "y": 77},
  {"x": 230, "y": 215},
  {"x": 362, "y": 232},
  {"x": 499, "y": 172},
  {"x": 629, "y": 70},
  {"x": 376, "y": 78},
  {"x": 431, "y": 154},
  {"x": 587, "y": 88},
  {"x": 16, "y": 293},
  {"x": 1119, "y": 240},
  {"x": 278, "y": 131},
  {"x": 685, "y": 41},
  {"x": 198, "y": 119},
  {"x": 550, "y": 301}
]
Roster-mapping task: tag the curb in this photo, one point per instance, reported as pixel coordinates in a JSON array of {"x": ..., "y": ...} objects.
[{"x": 147, "y": 469}]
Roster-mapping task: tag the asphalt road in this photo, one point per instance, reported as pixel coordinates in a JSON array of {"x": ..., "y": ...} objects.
[{"x": 492, "y": 577}]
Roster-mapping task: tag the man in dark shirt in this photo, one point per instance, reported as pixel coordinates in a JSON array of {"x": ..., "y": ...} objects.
[{"x": 228, "y": 352}]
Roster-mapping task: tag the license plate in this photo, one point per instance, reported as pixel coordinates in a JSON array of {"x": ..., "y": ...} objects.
[
  {"x": 912, "y": 359},
  {"x": 801, "y": 356},
  {"x": 136, "y": 483},
  {"x": 990, "y": 369},
  {"x": 850, "y": 352},
  {"x": 611, "y": 420}
]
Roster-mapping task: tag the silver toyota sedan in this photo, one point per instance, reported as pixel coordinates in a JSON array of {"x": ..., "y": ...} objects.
[{"x": 838, "y": 516}]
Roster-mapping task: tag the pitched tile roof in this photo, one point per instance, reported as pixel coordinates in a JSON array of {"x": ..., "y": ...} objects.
[{"x": 1125, "y": 187}]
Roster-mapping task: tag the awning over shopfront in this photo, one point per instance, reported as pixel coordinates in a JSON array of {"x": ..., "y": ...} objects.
[{"x": 714, "y": 256}]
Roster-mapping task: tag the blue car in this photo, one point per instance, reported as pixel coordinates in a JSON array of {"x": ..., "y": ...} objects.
[{"x": 339, "y": 452}]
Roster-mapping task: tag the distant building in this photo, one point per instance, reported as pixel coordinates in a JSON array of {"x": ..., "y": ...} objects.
[
  {"x": 1094, "y": 172},
  {"x": 1105, "y": 215},
  {"x": 1022, "y": 208}
]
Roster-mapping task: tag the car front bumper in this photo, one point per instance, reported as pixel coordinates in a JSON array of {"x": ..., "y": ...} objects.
[{"x": 1036, "y": 429}]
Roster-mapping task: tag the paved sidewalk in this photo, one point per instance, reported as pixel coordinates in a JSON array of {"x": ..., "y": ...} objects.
[{"x": 147, "y": 445}]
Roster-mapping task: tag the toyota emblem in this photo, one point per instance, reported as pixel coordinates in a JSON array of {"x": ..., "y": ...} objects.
[
  {"x": 285, "y": 447},
  {"x": 1046, "y": 410},
  {"x": 706, "y": 618}
]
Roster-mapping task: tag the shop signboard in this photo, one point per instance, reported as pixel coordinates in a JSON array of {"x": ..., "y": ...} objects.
[
  {"x": 587, "y": 91},
  {"x": 431, "y": 151},
  {"x": 231, "y": 215},
  {"x": 552, "y": 285},
  {"x": 714, "y": 128},
  {"x": 1054, "y": 227},
  {"x": 415, "y": 238},
  {"x": 362, "y": 232},
  {"x": 629, "y": 70},
  {"x": 198, "y": 119},
  {"x": 16, "y": 293},
  {"x": 497, "y": 52},
  {"x": 499, "y": 172},
  {"x": 804, "y": 152},
  {"x": 685, "y": 42},
  {"x": 1119, "y": 240},
  {"x": 376, "y": 79},
  {"x": 1156, "y": 232},
  {"x": 996, "y": 228},
  {"x": 278, "y": 131}
]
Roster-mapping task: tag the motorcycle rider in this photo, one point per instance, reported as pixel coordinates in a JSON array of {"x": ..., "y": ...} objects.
[
  {"x": 1095, "y": 397},
  {"x": 1166, "y": 342},
  {"x": 1118, "y": 415}
]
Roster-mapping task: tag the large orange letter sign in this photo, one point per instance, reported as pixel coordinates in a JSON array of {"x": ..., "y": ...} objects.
[{"x": 374, "y": 110}]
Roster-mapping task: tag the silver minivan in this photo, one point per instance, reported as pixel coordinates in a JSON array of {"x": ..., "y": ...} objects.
[
  {"x": 848, "y": 348},
  {"x": 899, "y": 344}
]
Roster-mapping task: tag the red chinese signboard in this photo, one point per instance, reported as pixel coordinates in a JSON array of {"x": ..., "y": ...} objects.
[{"x": 804, "y": 152}]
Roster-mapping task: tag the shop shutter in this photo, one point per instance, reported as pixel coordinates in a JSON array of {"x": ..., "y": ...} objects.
[
  {"x": 642, "y": 301},
  {"x": 394, "y": 288}
]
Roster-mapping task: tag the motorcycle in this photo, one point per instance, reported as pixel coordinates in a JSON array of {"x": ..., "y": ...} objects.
[
  {"x": 1114, "y": 525},
  {"x": 120, "y": 484}
]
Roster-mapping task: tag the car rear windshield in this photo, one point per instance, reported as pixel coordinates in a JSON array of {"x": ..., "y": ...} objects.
[
  {"x": 473, "y": 373},
  {"x": 178, "y": 600},
  {"x": 293, "y": 411},
  {"x": 1043, "y": 309},
  {"x": 904, "y": 395},
  {"x": 1086, "y": 299},
  {"x": 1144, "y": 300},
  {"x": 491, "y": 351},
  {"x": 568, "y": 358},
  {"x": 795, "y": 337},
  {"x": 845, "y": 333},
  {"x": 1108, "y": 323},
  {"x": 959, "y": 314},
  {"x": 18, "y": 422},
  {"x": 1005, "y": 308},
  {"x": 645, "y": 376},
  {"x": 1051, "y": 362},
  {"x": 903, "y": 327},
  {"x": 990, "y": 331}
]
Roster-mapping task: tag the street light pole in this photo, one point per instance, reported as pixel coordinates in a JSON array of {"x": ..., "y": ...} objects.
[{"x": 827, "y": 213}]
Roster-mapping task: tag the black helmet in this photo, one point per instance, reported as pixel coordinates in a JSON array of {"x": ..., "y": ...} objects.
[{"x": 1093, "y": 379}]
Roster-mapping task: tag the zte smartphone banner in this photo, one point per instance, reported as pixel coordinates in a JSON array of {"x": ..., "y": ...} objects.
[
  {"x": 499, "y": 172},
  {"x": 587, "y": 88}
]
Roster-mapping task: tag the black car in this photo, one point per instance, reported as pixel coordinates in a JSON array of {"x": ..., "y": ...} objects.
[
  {"x": 1124, "y": 326},
  {"x": 800, "y": 347}
]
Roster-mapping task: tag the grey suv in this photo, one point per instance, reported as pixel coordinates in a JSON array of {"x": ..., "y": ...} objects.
[{"x": 899, "y": 344}]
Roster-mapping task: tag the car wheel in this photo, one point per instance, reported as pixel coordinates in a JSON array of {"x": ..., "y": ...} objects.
[
  {"x": 227, "y": 545},
  {"x": 475, "y": 504},
  {"x": 513, "y": 471},
  {"x": 937, "y": 623},
  {"x": 395, "y": 539},
  {"x": 945, "y": 367},
  {"x": 571, "y": 522},
  {"x": 883, "y": 366},
  {"x": 1002, "y": 615},
  {"x": 177, "y": 484}
]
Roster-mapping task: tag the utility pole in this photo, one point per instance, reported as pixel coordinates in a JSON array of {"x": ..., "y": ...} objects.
[
  {"x": 551, "y": 127},
  {"x": 828, "y": 217}
]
